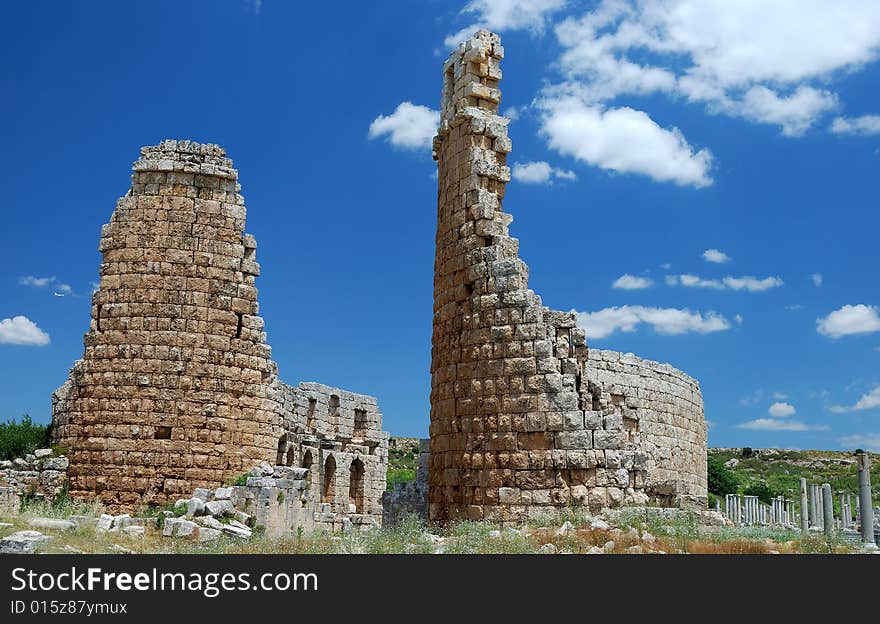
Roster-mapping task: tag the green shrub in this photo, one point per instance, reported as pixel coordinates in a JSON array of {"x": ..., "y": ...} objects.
[
  {"x": 17, "y": 439},
  {"x": 399, "y": 475},
  {"x": 763, "y": 491},
  {"x": 721, "y": 480}
]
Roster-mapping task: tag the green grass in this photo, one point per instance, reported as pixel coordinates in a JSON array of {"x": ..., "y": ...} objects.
[{"x": 17, "y": 439}]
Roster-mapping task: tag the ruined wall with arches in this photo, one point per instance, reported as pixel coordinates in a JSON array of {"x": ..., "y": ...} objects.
[{"x": 337, "y": 435}]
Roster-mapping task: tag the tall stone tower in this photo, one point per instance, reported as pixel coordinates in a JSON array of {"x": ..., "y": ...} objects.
[
  {"x": 518, "y": 427},
  {"x": 176, "y": 387}
]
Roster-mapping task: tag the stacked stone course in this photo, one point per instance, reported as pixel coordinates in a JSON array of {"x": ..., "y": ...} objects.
[
  {"x": 515, "y": 429},
  {"x": 176, "y": 388}
]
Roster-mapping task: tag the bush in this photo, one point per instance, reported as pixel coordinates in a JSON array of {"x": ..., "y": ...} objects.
[
  {"x": 399, "y": 475},
  {"x": 763, "y": 491},
  {"x": 17, "y": 439},
  {"x": 721, "y": 480}
]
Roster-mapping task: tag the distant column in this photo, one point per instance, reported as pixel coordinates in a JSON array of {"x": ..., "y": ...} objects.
[
  {"x": 867, "y": 511},
  {"x": 828, "y": 509},
  {"x": 805, "y": 520}
]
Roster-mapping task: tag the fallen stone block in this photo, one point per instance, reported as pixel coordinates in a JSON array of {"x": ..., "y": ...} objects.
[
  {"x": 195, "y": 507},
  {"x": 22, "y": 542},
  {"x": 235, "y": 531},
  {"x": 51, "y": 524},
  {"x": 245, "y": 519},
  {"x": 84, "y": 522},
  {"x": 261, "y": 482},
  {"x": 104, "y": 524},
  {"x": 120, "y": 522},
  {"x": 203, "y": 494},
  {"x": 41, "y": 453},
  {"x": 134, "y": 530},
  {"x": 187, "y": 529},
  {"x": 220, "y": 508},
  {"x": 210, "y": 522},
  {"x": 222, "y": 493}
]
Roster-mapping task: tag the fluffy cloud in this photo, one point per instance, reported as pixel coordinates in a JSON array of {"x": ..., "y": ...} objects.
[
  {"x": 410, "y": 126},
  {"x": 867, "y": 401},
  {"x": 850, "y": 319},
  {"x": 20, "y": 330},
  {"x": 781, "y": 410},
  {"x": 539, "y": 172},
  {"x": 715, "y": 255},
  {"x": 631, "y": 282},
  {"x": 668, "y": 321},
  {"x": 866, "y": 441},
  {"x": 505, "y": 15},
  {"x": 752, "y": 59},
  {"x": 817, "y": 279},
  {"x": 864, "y": 125},
  {"x": 747, "y": 282},
  {"x": 772, "y": 424},
  {"x": 623, "y": 140}
]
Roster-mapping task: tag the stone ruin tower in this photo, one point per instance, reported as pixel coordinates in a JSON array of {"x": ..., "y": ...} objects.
[
  {"x": 175, "y": 387},
  {"x": 524, "y": 419}
]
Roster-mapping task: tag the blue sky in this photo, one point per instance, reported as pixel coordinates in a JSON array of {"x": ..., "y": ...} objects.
[{"x": 698, "y": 181}]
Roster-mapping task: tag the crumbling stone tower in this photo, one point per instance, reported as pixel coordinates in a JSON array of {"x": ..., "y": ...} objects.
[
  {"x": 176, "y": 387},
  {"x": 517, "y": 426}
]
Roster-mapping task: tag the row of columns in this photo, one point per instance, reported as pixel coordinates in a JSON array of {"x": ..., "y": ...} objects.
[
  {"x": 748, "y": 510},
  {"x": 816, "y": 507}
]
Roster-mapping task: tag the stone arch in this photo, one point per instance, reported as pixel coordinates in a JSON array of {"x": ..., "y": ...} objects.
[
  {"x": 328, "y": 490},
  {"x": 282, "y": 450},
  {"x": 307, "y": 459},
  {"x": 356, "y": 485}
]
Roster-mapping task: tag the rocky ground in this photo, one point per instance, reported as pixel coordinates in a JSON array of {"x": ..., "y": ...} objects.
[{"x": 629, "y": 531}]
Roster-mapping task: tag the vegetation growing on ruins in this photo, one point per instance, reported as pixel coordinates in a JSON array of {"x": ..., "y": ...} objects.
[
  {"x": 17, "y": 439},
  {"x": 403, "y": 460}
]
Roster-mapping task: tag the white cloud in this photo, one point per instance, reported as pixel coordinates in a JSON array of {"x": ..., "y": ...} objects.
[
  {"x": 752, "y": 284},
  {"x": 754, "y": 398},
  {"x": 60, "y": 288},
  {"x": 512, "y": 113},
  {"x": 36, "y": 282},
  {"x": 20, "y": 330},
  {"x": 746, "y": 282},
  {"x": 781, "y": 410},
  {"x": 779, "y": 396},
  {"x": 817, "y": 279},
  {"x": 667, "y": 321},
  {"x": 795, "y": 306},
  {"x": 865, "y": 441},
  {"x": 539, "y": 172},
  {"x": 739, "y": 319},
  {"x": 622, "y": 140},
  {"x": 850, "y": 319},
  {"x": 772, "y": 424},
  {"x": 864, "y": 125},
  {"x": 631, "y": 282},
  {"x": 505, "y": 15},
  {"x": 715, "y": 255},
  {"x": 795, "y": 113},
  {"x": 759, "y": 60},
  {"x": 867, "y": 401},
  {"x": 410, "y": 126}
]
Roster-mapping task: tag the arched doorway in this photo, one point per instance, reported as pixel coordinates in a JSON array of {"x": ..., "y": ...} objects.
[
  {"x": 356, "y": 485},
  {"x": 329, "y": 489}
]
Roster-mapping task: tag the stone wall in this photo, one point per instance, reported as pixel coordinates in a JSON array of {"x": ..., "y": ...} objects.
[
  {"x": 176, "y": 388},
  {"x": 662, "y": 412},
  {"x": 515, "y": 431},
  {"x": 40, "y": 475}
]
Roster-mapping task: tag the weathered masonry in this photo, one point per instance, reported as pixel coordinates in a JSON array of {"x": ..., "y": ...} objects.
[
  {"x": 523, "y": 418},
  {"x": 176, "y": 388}
]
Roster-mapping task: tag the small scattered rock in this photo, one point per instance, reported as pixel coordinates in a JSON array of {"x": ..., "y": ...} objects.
[
  {"x": 595, "y": 550},
  {"x": 134, "y": 531},
  {"x": 648, "y": 538},
  {"x": 495, "y": 534},
  {"x": 634, "y": 550},
  {"x": 599, "y": 525},
  {"x": 51, "y": 524},
  {"x": 608, "y": 546},
  {"x": 547, "y": 549},
  {"x": 104, "y": 524},
  {"x": 122, "y": 549},
  {"x": 564, "y": 529}
]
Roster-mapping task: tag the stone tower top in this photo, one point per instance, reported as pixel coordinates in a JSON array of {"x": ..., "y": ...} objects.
[
  {"x": 186, "y": 157},
  {"x": 470, "y": 87}
]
